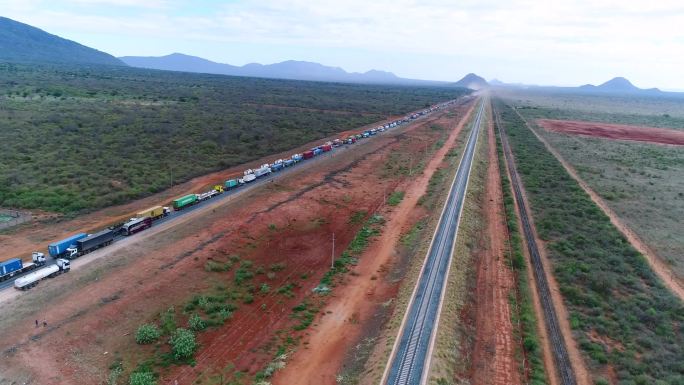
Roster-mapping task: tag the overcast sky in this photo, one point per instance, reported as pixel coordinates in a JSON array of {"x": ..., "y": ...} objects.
[{"x": 536, "y": 42}]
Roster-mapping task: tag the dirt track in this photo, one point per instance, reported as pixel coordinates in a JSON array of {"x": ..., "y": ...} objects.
[
  {"x": 92, "y": 314},
  {"x": 365, "y": 291},
  {"x": 494, "y": 351},
  {"x": 659, "y": 266},
  {"x": 614, "y": 131}
]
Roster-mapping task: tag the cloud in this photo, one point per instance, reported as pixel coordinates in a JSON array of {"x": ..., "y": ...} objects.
[{"x": 626, "y": 35}]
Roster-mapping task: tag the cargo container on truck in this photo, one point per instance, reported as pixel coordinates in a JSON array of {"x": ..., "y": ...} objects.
[
  {"x": 308, "y": 154},
  {"x": 326, "y": 147},
  {"x": 155, "y": 212},
  {"x": 135, "y": 225},
  {"x": 288, "y": 162},
  {"x": 30, "y": 280},
  {"x": 15, "y": 266},
  {"x": 277, "y": 166},
  {"x": 185, "y": 201},
  {"x": 57, "y": 249},
  {"x": 317, "y": 151},
  {"x": 90, "y": 243},
  {"x": 248, "y": 178},
  {"x": 231, "y": 183}
]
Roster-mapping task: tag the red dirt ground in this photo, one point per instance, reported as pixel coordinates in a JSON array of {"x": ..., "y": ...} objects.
[
  {"x": 614, "y": 131},
  {"x": 346, "y": 316},
  {"x": 494, "y": 352},
  {"x": 93, "y": 314}
]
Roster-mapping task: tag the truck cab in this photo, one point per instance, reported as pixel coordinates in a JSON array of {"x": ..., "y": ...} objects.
[{"x": 38, "y": 258}]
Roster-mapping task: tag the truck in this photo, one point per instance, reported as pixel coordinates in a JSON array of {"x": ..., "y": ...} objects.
[
  {"x": 317, "y": 151},
  {"x": 135, "y": 225},
  {"x": 218, "y": 188},
  {"x": 59, "y": 248},
  {"x": 288, "y": 162},
  {"x": 90, "y": 243},
  {"x": 326, "y": 147},
  {"x": 264, "y": 170},
  {"x": 207, "y": 195},
  {"x": 185, "y": 201},
  {"x": 155, "y": 212},
  {"x": 16, "y": 266},
  {"x": 277, "y": 166},
  {"x": 297, "y": 157},
  {"x": 248, "y": 178},
  {"x": 31, "y": 279},
  {"x": 308, "y": 154},
  {"x": 231, "y": 183}
]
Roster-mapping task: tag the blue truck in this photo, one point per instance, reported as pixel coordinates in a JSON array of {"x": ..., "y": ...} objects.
[
  {"x": 59, "y": 248},
  {"x": 16, "y": 266}
]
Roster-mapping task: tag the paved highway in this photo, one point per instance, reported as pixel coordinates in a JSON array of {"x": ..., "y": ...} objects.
[
  {"x": 266, "y": 179},
  {"x": 408, "y": 362}
]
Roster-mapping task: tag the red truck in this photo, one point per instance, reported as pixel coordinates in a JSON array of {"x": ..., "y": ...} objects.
[
  {"x": 326, "y": 147},
  {"x": 308, "y": 154}
]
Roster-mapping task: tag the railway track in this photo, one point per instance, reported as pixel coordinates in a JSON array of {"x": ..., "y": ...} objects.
[
  {"x": 409, "y": 362},
  {"x": 560, "y": 352}
]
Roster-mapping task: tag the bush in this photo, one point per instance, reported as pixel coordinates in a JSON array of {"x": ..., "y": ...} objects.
[
  {"x": 196, "y": 323},
  {"x": 395, "y": 198},
  {"x": 147, "y": 334},
  {"x": 142, "y": 378},
  {"x": 183, "y": 344}
]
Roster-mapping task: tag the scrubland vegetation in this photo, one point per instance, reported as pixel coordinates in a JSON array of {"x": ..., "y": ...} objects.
[
  {"x": 75, "y": 139},
  {"x": 622, "y": 316}
]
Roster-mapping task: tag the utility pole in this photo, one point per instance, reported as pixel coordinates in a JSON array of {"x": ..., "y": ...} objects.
[{"x": 332, "y": 257}]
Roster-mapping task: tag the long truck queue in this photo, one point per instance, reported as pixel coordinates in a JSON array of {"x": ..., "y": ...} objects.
[{"x": 79, "y": 244}]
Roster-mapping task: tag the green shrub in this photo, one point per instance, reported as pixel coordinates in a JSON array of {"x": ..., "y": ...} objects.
[
  {"x": 143, "y": 378},
  {"x": 183, "y": 344},
  {"x": 147, "y": 333},
  {"x": 196, "y": 323}
]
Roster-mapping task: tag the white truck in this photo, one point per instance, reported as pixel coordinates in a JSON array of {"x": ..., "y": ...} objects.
[
  {"x": 264, "y": 170},
  {"x": 248, "y": 178},
  {"x": 30, "y": 280}
]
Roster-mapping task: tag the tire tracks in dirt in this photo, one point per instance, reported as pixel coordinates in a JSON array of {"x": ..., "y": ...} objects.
[
  {"x": 494, "y": 352},
  {"x": 657, "y": 264},
  {"x": 334, "y": 335}
]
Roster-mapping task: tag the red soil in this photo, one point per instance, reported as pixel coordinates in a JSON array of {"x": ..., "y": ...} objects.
[
  {"x": 494, "y": 352},
  {"x": 614, "y": 131},
  {"x": 92, "y": 316},
  {"x": 346, "y": 316}
]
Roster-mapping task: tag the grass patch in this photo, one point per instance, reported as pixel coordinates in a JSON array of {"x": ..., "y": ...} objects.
[{"x": 395, "y": 198}]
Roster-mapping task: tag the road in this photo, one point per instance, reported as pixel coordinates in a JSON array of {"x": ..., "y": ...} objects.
[
  {"x": 226, "y": 195},
  {"x": 408, "y": 363},
  {"x": 560, "y": 352}
]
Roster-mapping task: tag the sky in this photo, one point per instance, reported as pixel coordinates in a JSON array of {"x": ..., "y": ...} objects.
[{"x": 565, "y": 43}]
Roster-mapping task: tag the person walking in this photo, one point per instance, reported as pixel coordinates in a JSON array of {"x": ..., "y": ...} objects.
[{"x": 36, "y": 323}]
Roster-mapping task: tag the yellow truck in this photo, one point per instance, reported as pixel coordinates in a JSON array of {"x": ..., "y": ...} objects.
[{"x": 155, "y": 212}]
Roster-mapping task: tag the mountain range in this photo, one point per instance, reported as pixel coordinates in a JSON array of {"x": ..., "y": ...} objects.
[
  {"x": 291, "y": 69},
  {"x": 23, "y": 43}
]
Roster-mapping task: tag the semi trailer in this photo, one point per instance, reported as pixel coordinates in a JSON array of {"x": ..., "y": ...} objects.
[
  {"x": 59, "y": 248},
  {"x": 15, "y": 266},
  {"x": 185, "y": 201},
  {"x": 155, "y": 212},
  {"x": 263, "y": 170},
  {"x": 91, "y": 242},
  {"x": 31, "y": 279}
]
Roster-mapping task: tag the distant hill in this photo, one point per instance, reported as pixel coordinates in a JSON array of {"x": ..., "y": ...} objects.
[
  {"x": 617, "y": 85},
  {"x": 472, "y": 81},
  {"x": 291, "y": 69},
  {"x": 23, "y": 43}
]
